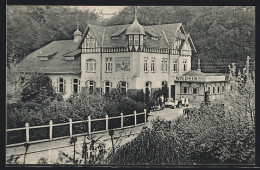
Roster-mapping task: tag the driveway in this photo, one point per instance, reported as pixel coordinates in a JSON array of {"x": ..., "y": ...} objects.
[{"x": 167, "y": 114}]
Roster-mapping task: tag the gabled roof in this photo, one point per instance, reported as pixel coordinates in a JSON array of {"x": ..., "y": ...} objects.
[
  {"x": 170, "y": 31},
  {"x": 56, "y": 64}
]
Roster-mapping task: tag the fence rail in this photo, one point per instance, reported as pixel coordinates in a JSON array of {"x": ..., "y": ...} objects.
[{"x": 70, "y": 123}]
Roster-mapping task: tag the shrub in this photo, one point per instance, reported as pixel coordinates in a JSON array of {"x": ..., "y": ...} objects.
[{"x": 209, "y": 135}]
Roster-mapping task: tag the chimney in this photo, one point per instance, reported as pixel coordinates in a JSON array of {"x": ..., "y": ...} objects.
[
  {"x": 77, "y": 35},
  {"x": 199, "y": 66}
]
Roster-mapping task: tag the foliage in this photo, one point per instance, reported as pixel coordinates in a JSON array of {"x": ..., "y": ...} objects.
[
  {"x": 213, "y": 134},
  {"x": 92, "y": 145},
  {"x": 37, "y": 89},
  {"x": 218, "y": 32},
  {"x": 31, "y": 27},
  {"x": 42, "y": 160},
  {"x": 13, "y": 159}
]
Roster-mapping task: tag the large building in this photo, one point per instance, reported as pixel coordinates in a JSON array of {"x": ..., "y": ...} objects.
[{"x": 129, "y": 57}]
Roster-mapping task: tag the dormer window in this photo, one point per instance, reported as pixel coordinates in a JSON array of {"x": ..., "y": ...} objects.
[
  {"x": 46, "y": 56},
  {"x": 155, "y": 38},
  {"x": 115, "y": 38},
  {"x": 43, "y": 58}
]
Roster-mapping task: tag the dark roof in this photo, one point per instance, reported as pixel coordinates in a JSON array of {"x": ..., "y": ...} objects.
[
  {"x": 47, "y": 54},
  {"x": 103, "y": 35},
  {"x": 194, "y": 73},
  {"x": 219, "y": 74},
  {"x": 56, "y": 64},
  {"x": 135, "y": 28},
  {"x": 72, "y": 53}
]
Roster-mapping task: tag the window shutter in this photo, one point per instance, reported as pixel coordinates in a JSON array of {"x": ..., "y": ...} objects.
[
  {"x": 72, "y": 90},
  {"x": 57, "y": 85},
  {"x": 64, "y": 86},
  {"x": 79, "y": 85}
]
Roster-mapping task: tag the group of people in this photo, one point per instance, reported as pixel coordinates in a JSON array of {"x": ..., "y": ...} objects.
[{"x": 184, "y": 102}]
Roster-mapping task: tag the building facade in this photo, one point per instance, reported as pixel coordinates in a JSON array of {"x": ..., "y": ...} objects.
[
  {"x": 129, "y": 57},
  {"x": 194, "y": 85}
]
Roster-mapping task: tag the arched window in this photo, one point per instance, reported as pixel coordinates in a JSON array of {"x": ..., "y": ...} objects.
[
  {"x": 123, "y": 86},
  {"x": 107, "y": 85},
  {"x": 61, "y": 85},
  {"x": 91, "y": 65},
  {"x": 90, "y": 84},
  {"x": 148, "y": 87}
]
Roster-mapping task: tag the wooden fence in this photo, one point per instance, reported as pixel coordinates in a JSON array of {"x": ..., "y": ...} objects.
[{"x": 70, "y": 123}]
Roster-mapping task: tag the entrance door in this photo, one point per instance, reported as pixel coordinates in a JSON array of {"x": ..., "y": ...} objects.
[{"x": 173, "y": 92}]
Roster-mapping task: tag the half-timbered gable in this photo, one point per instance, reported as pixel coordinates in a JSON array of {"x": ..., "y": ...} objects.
[{"x": 128, "y": 57}]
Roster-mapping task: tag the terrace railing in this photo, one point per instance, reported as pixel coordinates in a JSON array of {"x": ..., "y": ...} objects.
[{"x": 90, "y": 129}]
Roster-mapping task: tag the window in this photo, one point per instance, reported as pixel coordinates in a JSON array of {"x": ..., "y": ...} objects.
[
  {"x": 152, "y": 64},
  {"x": 148, "y": 88},
  {"x": 164, "y": 66},
  {"x": 115, "y": 38},
  {"x": 223, "y": 88},
  {"x": 61, "y": 85},
  {"x": 75, "y": 85},
  {"x": 108, "y": 64},
  {"x": 213, "y": 90},
  {"x": 175, "y": 64},
  {"x": 90, "y": 85},
  {"x": 91, "y": 65},
  {"x": 130, "y": 39},
  {"x": 155, "y": 38},
  {"x": 185, "y": 90},
  {"x": 90, "y": 43},
  {"x": 218, "y": 89},
  {"x": 136, "y": 38},
  {"x": 209, "y": 89},
  {"x": 184, "y": 65},
  {"x": 164, "y": 83},
  {"x": 123, "y": 86},
  {"x": 107, "y": 86},
  {"x": 195, "y": 90},
  {"x": 145, "y": 64},
  {"x": 43, "y": 58}
]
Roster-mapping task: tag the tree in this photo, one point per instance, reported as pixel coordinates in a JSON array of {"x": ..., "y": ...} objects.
[{"x": 37, "y": 89}]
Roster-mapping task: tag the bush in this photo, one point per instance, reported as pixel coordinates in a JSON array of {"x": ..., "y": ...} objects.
[{"x": 209, "y": 135}]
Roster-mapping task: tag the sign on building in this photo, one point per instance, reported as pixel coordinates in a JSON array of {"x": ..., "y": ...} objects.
[{"x": 122, "y": 63}]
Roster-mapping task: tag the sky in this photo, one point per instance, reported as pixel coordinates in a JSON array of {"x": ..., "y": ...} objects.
[{"x": 104, "y": 12}]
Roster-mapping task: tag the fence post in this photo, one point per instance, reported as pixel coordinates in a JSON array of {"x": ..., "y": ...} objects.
[
  {"x": 27, "y": 132},
  {"x": 70, "y": 127},
  {"x": 89, "y": 124},
  {"x": 135, "y": 117},
  {"x": 144, "y": 115},
  {"x": 106, "y": 122},
  {"x": 122, "y": 120},
  {"x": 51, "y": 123}
]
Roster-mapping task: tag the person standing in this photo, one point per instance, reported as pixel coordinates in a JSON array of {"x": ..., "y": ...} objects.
[
  {"x": 182, "y": 101},
  {"x": 187, "y": 102},
  {"x": 162, "y": 98}
]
